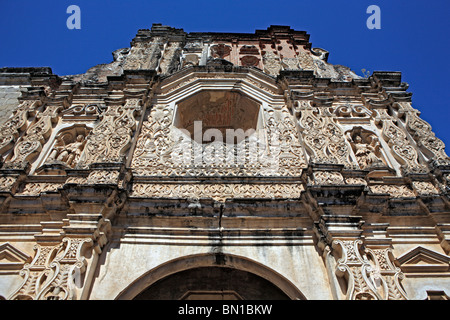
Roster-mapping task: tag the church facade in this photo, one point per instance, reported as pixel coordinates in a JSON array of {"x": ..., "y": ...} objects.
[{"x": 219, "y": 166}]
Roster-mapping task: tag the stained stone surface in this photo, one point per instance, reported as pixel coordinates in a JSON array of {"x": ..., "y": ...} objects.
[{"x": 121, "y": 183}]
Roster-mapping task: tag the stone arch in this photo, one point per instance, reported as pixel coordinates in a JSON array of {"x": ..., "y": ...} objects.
[{"x": 210, "y": 260}]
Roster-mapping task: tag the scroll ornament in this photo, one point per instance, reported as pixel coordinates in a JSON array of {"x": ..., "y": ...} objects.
[
  {"x": 36, "y": 135},
  {"x": 401, "y": 148},
  {"x": 108, "y": 141},
  {"x": 426, "y": 138},
  {"x": 54, "y": 272},
  {"x": 160, "y": 150},
  {"x": 323, "y": 137},
  {"x": 368, "y": 279},
  {"x": 9, "y": 131}
]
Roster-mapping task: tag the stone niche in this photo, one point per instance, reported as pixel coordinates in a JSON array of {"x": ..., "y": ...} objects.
[{"x": 218, "y": 116}]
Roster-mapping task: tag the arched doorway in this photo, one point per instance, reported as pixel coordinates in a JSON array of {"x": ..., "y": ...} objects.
[
  {"x": 215, "y": 276},
  {"x": 212, "y": 283}
]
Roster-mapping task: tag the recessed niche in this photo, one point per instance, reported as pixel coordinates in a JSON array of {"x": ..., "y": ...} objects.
[{"x": 211, "y": 116}]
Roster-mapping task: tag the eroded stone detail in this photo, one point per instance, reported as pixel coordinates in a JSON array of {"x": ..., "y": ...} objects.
[
  {"x": 374, "y": 279},
  {"x": 393, "y": 190},
  {"x": 9, "y": 131},
  {"x": 323, "y": 137},
  {"x": 109, "y": 139},
  {"x": 218, "y": 192},
  {"x": 54, "y": 270}
]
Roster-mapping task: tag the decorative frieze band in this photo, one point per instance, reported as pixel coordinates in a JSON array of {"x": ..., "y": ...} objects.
[{"x": 218, "y": 192}]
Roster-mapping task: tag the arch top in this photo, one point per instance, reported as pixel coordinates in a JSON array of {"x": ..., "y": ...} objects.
[
  {"x": 219, "y": 259},
  {"x": 249, "y": 81}
]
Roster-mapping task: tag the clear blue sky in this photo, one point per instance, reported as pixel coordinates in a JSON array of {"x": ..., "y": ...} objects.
[{"x": 414, "y": 36}]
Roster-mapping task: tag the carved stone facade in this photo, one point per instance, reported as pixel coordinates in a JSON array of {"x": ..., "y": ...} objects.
[{"x": 195, "y": 155}]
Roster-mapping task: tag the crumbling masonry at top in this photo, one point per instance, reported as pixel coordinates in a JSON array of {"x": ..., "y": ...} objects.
[{"x": 135, "y": 156}]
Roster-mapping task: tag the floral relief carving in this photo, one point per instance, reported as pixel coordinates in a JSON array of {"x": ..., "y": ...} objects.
[
  {"x": 402, "y": 150},
  {"x": 327, "y": 178},
  {"x": 323, "y": 137},
  {"x": 395, "y": 191},
  {"x": 425, "y": 188},
  {"x": 272, "y": 63},
  {"x": 352, "y": 180},
  {"x": 53, "y": 273},
  {"x": 103, "y": 177},
  {"x": 423, "y": 134},
  {"x": 6, "y": 183},
  {"x": 9, "y": 131},
  {"x": 218, "y": 192},
  {"x": 163, "y": 150},
  {"x": 34, "y": 189},
  {"x": 36, "y": 135},
  {"x": 108, "y": 141},
  {"x": 384, "y": 275},
  {"x": 369, "y": 273},
  {"x": 170, "y": 60}
]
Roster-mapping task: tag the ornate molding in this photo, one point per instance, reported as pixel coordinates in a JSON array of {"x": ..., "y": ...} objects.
[
  {"x": 368, "y": 279},
  {"x": 219, "y": 192},
  {"x": 9, "y": 131},
  {"x": 395, "y": 191},
  {"x": 108, "y": 140},
  {"x": 54, "y": 270},
  {"x": 324, "y": 138}
]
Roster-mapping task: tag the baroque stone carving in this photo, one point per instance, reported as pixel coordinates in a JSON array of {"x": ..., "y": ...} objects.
[
  {"x": 36, "y": 135},
  {"x": 171, "y": 57},
  {"x": 6, "y": 183},
  {"x": 34, "y": 189},
  {"x": 327, "y": 178},
  {"x": 423, "y": 134},
  {"x": 272, "y": 63},
  {"x": 69, "y": 153},
  {"x": 109, "y": 139},
  {"x": 218, "y": 192},
  {"x": 103, "y": 177},
  {"x": 323, "y": 137},
  {"x": 350, "y": 110},
  {"x": 425, "y": 188},
  {"x": 402, "y": 150},
  {"x": 54, "y": 271},
  {"x": 9, "y": 131},
  {"x": 144, "y": 55},
  {"x": 393, "y": 190},
  {"x": 163, "y": 150},
  {"x": 220, "y": 51},
  {"x": 366, "y": 147},
  {"x": 374, "y": 279},
  {"x": 354, "y": 180}
]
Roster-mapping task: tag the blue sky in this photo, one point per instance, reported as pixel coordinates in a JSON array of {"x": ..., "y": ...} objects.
[{"x": 413, "y": 37}]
